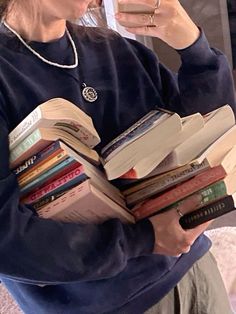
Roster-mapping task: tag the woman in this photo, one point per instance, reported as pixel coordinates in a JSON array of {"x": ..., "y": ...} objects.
[{"x": 153, "y": 266}]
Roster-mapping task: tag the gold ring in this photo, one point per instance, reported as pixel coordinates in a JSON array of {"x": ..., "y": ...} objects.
[
  {"x": 157, "y": 5},
  {"x": 179, "y": 212},
  {"x": 151, "y": 20}
]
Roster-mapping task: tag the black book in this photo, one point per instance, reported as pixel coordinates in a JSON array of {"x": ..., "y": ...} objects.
[{"x": 208, "y": 212}]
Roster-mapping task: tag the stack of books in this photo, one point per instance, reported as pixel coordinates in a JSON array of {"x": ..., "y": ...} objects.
[
  {"x": 199, "y": 174},
  {"x": 161, "y": 160},
  {"x": 52, "y": 155}
]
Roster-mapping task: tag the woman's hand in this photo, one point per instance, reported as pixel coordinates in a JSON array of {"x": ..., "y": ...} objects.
[
  {"x": 170, "y": 238},
  {"x": 169, "y": 22}
]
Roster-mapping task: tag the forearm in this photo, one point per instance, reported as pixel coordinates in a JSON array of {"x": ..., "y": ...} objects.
[
  {"x": 204, "y": 81},
  {"x": 42, "y": 251}
]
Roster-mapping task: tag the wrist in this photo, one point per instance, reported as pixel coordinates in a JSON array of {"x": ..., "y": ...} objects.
[{"x": 186, "y": 35}]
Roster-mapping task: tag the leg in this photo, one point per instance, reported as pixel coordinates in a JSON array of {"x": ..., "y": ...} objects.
[{"x": 201, "y": 291}]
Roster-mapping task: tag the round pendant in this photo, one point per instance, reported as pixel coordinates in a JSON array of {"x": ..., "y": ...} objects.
[{"x": 89, "y": 93}]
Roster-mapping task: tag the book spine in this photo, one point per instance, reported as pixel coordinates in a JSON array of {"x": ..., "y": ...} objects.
[
  {"x": 53, "y": 174},
  {"x": 24, "y": 128},
  {"x": 37, "y": 159},
  {"x": 179, "y": 192},
  {"x": 48, "y": 199},
  {"x": 203, "y": 197},
  {"x": 64, "y": 200},
  {"x": 39, "y": 170},
  {"x": 207, "y": 213},
  {"x": 74, "y": 177},
  {"x": 135, "y": 131},
  {"x": 26, "y": 144},
  {"x": 166, "y": 181}
]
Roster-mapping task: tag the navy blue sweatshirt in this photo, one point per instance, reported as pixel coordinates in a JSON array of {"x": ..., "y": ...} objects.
[{"x": 67, "y": 268}]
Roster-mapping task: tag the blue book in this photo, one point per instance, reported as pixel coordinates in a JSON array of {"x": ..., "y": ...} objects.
[
  {"x": 70, "y": 184},
  {"x": 47, "y": 175}
]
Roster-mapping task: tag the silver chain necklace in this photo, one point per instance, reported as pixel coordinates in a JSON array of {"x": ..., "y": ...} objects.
[{"x": 88, "y": 92}]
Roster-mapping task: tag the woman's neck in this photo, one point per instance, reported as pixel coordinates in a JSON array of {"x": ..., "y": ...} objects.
[{"x": 42, "y": 31}]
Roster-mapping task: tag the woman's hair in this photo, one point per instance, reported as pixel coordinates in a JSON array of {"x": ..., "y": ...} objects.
[
  {"x": 4, "y": 7},
  {"x": 94, "y": 16}
]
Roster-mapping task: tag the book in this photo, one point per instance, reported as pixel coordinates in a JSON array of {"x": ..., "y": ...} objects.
[
  {"x": 57, "y": 113},
  {"x": 216, "y": 123},
  {"x": 133, "y": 8},
  {"x": 70, "y": 179},
  {"x": 85, "y": 204},
  {"x": 138, "y": 129},
  {"x": 209, "y": 176},
  {"x": 97, "y": 177},
  {"x": 190, "y": 125},
  {"x": 48, "y": 199},
  {"x": 214, "y": 153},
  {"x": 42, "y": 137},
  {"x": 41, "y": 169},
  {"x": 169, "y": 179},
  {"x": 208, "y": 212},
  {"x": 47, "y": 177},
  {"x": 37, "y": 159},
  {"x": 130, "y": 155},
  {"x": 165, "y": 180},
  {"x": 209, "y": 194},
  {"x": 217, "y": 150}
]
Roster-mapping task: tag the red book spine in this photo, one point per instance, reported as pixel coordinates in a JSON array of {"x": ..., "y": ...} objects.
[
  {"x": 184, "y": 189},
  {"x": 44, "y": 190},
  {"x": 131, "y": 174}
]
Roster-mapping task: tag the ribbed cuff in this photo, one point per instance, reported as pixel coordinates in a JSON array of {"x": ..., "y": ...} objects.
[
  {"x": 199, "y": 53},
  {"x": 140, "y": 239}
]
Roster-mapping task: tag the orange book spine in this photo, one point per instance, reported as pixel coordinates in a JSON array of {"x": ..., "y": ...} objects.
[
  {"x": 40, "y": 169},
  {"x": 53, "y": 186},
  {"x": 186, "y": 188},
  {"x": 22, "y": 177}
]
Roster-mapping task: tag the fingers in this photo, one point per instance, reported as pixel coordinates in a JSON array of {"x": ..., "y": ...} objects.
[
  {"x": 141, "y": 20},
  {"x": 170, "y": 238},
  {"x": 174, "y": 251}
]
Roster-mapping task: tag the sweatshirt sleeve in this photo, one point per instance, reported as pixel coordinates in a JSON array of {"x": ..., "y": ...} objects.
[
  {"x": 42, "y": 251},
  {"x": 203, "y": 83}
]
